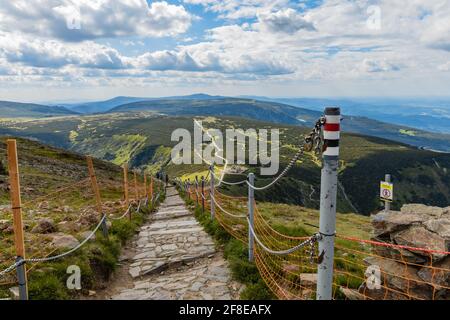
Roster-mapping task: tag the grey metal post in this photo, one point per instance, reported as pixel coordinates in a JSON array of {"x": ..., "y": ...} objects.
[
  {"x": 211, "y": 192},
  {"x": 328, "y": 195},
  {"x": 196, "y": 191},
  {"x": 21, "y": 277},
  {"x": 105, "y": 229},
  {"x": 251, "y": 201},
  {"x": 387, "y": 204},
  {"x": 203, "y": 194}
]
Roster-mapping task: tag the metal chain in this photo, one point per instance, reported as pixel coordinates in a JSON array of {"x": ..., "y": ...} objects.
[
  {"x": 33, "y": 260},
  {"x": 225, "y": 211},
  {"x": 9, "y": 269},
  {"x": 310, "y": 241},
  {"x": 313, "y": 141}
]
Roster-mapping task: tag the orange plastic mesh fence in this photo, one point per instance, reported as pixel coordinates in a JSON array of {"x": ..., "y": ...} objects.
[{"x": 363, "y": 269}]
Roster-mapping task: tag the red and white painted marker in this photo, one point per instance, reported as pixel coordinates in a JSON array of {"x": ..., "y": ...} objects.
[{"x": 332, "y": 132}]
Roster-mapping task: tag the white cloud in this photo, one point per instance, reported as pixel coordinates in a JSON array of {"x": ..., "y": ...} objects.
[
  {"x": 53, "y": 54},
  {"x": 97, "y": 19},
  {"x": 284, "y": 21}
]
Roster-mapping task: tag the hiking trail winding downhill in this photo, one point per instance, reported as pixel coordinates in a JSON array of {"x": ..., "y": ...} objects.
[{"x": 172, "y": 257}]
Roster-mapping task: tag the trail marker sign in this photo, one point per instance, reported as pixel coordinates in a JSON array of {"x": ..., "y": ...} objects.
[{"x": 386, "y": 191}]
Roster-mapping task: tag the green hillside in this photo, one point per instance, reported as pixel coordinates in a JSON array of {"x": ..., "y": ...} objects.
[
  {"x": 143, "y": 140},
  {"x": 286, "y": 114},
  {"x": 10, "y": 109}
]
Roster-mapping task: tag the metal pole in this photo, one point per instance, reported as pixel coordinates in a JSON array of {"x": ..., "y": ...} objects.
[
  {"x": 251, "y": 201},
  {"x": 188, "y": 185},
  {"x": 196, "y": 191},
  {"x": 211, "y": 192},
  {"x": 387, "y": 204},
  {"x": 22, "y": 279},
  {"x": 203, "y": 194},
  {"x": 328, "y": 195}
]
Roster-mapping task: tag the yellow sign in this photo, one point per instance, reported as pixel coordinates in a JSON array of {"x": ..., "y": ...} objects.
[{"x": 386, "y": 191}]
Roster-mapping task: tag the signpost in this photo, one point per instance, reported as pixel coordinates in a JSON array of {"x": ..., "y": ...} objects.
[{"x": 387, "y": 192}]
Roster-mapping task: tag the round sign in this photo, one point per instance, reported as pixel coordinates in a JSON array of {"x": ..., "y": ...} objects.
[{"x": 386, "y": 193}]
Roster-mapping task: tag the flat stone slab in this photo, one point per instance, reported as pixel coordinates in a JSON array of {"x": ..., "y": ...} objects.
[
  {"x": 174, "y": 239},
  {"x": 207, "y": 281}
]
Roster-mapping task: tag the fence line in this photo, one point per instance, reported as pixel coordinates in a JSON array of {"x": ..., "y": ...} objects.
[
  {"x": 289, "y": 264},
  {"x": 80, "y": 186}
]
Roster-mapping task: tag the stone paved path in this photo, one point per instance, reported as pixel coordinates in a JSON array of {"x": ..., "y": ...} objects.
[{"x": 174, "y": 258}]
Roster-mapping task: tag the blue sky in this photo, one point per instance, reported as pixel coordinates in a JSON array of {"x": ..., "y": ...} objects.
[{"x": 95, "y": 49}]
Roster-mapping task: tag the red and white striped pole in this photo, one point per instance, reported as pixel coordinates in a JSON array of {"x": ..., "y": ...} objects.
[{"x": 328, "y": 197}]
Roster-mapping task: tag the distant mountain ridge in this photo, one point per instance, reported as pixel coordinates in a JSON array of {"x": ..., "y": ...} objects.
[
  {"x": 10, "y": 109},
  {"x": 286, "y": 114},
  {"x": 262, "y": 110},
  {"x": 425, "y": 114},
  {"x": 105, "y": 106}
]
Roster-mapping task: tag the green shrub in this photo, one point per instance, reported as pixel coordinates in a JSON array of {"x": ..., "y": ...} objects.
[
  {"x": 257, "y": 291},
  {"x": 47, "y": 286}
]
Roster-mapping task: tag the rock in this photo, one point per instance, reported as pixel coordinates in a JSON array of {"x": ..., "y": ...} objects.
[
  {"x": 89, "y": 217},
  {"x": 14, "y": 293},
  {"x": 68, "y": 226},
  {"x": 86, "y": 234},
  {"x": 421, "y": 238},
  {"x": 62, "y": 240},
  {"x": 92, "y": 293},
  {"x": 5, "y": 224},
  {"x": 134, "y": 272},
  {"x": 401, "y": 277},
  {"x": 352, "y": 294},
  {"x": 398, "y": 254},
  {"x": 422, "y": 210},
  {"x": 290, "y": 268},
  {"x": 308, "y": 279},
  {"x": 439, "y": 226},
  {"x": 44, "y": 226},
  {"x": 388, "y": 222},
  {"x": 438, "y": 275}
]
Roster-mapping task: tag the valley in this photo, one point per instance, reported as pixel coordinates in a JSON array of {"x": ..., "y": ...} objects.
[{"x": 142, "y": 139}]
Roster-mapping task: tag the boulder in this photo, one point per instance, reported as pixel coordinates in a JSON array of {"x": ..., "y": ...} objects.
[
  {"x": 391, "y": 221},
  {"x": 68, "y": 226},
  {"x": 423, "y": 210},
  {"x": 439, "y": 226},
  {"x": 420, "y": 237},
  {"x": 438, "y": 274},
  {"x": 44, "y": 226},
  {"x": 85, "y": 234},
  {"x": 308, "y": 279},
  {"x": 5, "y": 224},
  {"x": 64, "y": 241},
  {"x": 351, "y": 294},
  {"x": 14, "y": 293},
  {"x": 89, "y": 217},
  {"x": 400, "y": 277}
]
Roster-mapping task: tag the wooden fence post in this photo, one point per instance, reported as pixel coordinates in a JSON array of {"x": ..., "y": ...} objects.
[
  {"x": 125, "y": 187},
  {"x": 136, "y": 190},
  {"x": 98, "y": 199},
  {"x": 16, "y": 205},
  {"x": 125, "y": 184},
  {"x": 151, "y": 189},
  {"x": 145, "y": 184}
]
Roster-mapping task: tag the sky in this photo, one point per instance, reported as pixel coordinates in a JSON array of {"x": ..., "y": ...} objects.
[{"x": 97, "y": 49}]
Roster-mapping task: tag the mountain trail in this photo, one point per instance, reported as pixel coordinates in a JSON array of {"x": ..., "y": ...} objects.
[{"x": 172, "y": 257}]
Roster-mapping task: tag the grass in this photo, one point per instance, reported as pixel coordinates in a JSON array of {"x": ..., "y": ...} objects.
[
  {"x": 97, "y": 261},
  {"x": 43, "y": 170}
]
